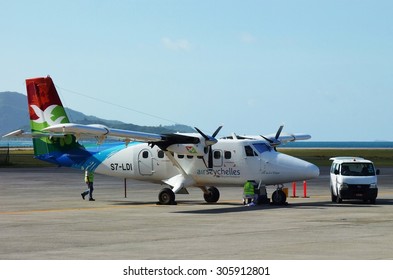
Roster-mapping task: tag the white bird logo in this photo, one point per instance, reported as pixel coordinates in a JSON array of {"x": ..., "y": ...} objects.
[{"x": 46, "y": 115}]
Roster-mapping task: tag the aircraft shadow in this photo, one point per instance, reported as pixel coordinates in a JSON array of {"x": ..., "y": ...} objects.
[
  {"x": 132, "y": 203},
  {"x": 313, "y": 205}
]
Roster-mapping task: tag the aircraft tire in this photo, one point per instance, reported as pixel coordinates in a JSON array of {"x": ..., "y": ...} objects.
[
  {"x": 213, "y": 195},
  {"x": 166, "y": 197},
  {"x": 279, "y": 197}
]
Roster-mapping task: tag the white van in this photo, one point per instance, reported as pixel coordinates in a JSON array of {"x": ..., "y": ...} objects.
[{"x": 353, "y": 178}]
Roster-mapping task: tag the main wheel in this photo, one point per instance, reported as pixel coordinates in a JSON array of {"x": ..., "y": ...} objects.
[
  {"x": 212, "y": 196},
  {"x": 166, "y": 196},
  {"x": 279, "y": 197}
]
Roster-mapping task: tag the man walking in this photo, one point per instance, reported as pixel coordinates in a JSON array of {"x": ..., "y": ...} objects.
[{"x": 89, "y": 178}]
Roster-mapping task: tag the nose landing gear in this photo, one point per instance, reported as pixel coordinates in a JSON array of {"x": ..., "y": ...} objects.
[{"x": 279, "y": 197}]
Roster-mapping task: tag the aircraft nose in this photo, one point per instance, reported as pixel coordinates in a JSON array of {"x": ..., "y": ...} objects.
[
  {"x": 312, "y": 171},
  {"x": 295, "y": 169}
]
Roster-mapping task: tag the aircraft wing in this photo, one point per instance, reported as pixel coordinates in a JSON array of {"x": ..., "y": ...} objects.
[
  {"x": 285, "y": 138},
  {"x": 102, "y": 131},
  {"x": 282, "y": 138}
]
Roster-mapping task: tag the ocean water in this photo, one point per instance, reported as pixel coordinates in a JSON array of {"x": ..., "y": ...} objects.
[
  {"x": 341, "y": 144},
  {"x": 300, "y": 144}
]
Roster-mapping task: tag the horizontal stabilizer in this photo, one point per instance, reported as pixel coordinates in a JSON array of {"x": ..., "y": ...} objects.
[{"x": 20, "y": 133}]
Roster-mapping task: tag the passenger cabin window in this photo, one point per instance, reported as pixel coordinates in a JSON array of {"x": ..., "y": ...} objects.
[
  {"x": 217, "y": 154},
  {"x": 249, "y": 151},
  {"x": 180, "y": 156},
  {"x": 145, "y": 154},
  {"x": 160, "y": 154},
  {"x": 227, "y": 155}
]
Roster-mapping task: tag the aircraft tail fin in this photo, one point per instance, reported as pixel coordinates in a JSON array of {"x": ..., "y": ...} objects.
[{"x": 46, "y": 109}]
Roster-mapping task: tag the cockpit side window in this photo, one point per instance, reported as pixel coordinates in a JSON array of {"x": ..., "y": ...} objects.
[
  {"x": 249, "y": 151},
  {"x": 262, "y": 147}
]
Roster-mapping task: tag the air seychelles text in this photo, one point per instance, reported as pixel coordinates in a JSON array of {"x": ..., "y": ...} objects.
[{"x": 230, "y": 172}]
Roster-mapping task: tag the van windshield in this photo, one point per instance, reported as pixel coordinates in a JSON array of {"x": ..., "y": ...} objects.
[{"x": 357, "y": 169}]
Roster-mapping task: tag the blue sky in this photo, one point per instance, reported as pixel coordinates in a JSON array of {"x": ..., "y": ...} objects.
[{"x": 318, "y": 67}]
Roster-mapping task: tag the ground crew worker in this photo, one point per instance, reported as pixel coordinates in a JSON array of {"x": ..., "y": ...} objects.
[
  {"x": 89, "y": 178},
  {"x": 249, "y": 193}
]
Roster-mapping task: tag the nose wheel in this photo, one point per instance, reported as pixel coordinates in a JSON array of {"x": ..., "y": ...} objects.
[{"x": 279, "y": 197}]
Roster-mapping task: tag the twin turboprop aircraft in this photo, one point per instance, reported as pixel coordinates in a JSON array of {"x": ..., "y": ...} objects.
[{"x": 177, "y": 160}]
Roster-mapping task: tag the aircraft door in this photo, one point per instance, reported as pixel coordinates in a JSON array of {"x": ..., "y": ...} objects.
[
  {"x": 253, "y": 160},
  {"x": 145, "y": 162},
  {"x": 217, "y": 158}
]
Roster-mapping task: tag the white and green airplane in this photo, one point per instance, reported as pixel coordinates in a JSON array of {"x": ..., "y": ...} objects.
[{"x": 176, "y": 160}]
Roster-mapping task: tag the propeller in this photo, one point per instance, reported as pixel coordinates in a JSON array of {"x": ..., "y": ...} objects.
[
  {"x": 274, "y": 142},
  {"x": 209, "y": 141}
]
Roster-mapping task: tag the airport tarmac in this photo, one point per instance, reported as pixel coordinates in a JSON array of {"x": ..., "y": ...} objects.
[{"x": 42, "y": 216}]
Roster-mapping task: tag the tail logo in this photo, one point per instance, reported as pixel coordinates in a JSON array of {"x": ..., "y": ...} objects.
[{"x": 47, "y": 115}]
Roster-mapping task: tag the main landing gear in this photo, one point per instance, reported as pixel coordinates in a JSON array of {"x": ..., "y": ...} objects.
[
  {"x": 212, "y": 195},
  {"x": 167, "y": 197}
]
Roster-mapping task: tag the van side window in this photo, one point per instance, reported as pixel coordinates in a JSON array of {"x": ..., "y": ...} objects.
[
  {"x": 333, "y": 168},
  {"x": 336, "y": 168}
]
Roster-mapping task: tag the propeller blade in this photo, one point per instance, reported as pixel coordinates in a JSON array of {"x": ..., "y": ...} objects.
[
  {"x": 210, "y": 158},
  {"x": 267, "y": 139},
  {"x": 209, "y": 140},
  {"x": 274, "y": 142},
  {"x": 279, "y": 131},
  {"x": 217, "y": 131},
  {"x": 201, "y": 133}
]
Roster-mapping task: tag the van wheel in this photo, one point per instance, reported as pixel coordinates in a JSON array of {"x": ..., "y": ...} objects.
[{"x": 334, "y": 198}]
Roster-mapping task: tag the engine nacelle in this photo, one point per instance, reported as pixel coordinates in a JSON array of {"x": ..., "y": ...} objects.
[{"x": 187, "y": 149}]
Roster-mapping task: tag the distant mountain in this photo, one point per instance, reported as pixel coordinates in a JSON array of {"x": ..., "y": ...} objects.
[
  {"x": 14, "y": 115},
  {"x": 13, "y": 111}
]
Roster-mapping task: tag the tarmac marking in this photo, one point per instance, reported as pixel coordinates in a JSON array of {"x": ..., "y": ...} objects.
[
  {"x": 75, "y": 209},
  {"x": 104, "y": 207}
]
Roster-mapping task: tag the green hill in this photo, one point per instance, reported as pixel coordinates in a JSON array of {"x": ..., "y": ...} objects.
[{"x": 14, "y": 115}]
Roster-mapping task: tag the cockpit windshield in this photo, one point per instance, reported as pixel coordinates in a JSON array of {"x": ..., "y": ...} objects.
[{"x": 262, "y": 147}]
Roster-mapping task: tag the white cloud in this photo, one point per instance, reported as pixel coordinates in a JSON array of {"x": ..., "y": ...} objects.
[{"x": 176, "y": 45}]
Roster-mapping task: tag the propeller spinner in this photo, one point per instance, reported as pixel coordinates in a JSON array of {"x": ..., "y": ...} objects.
[{"x": 209, "y": 141}]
